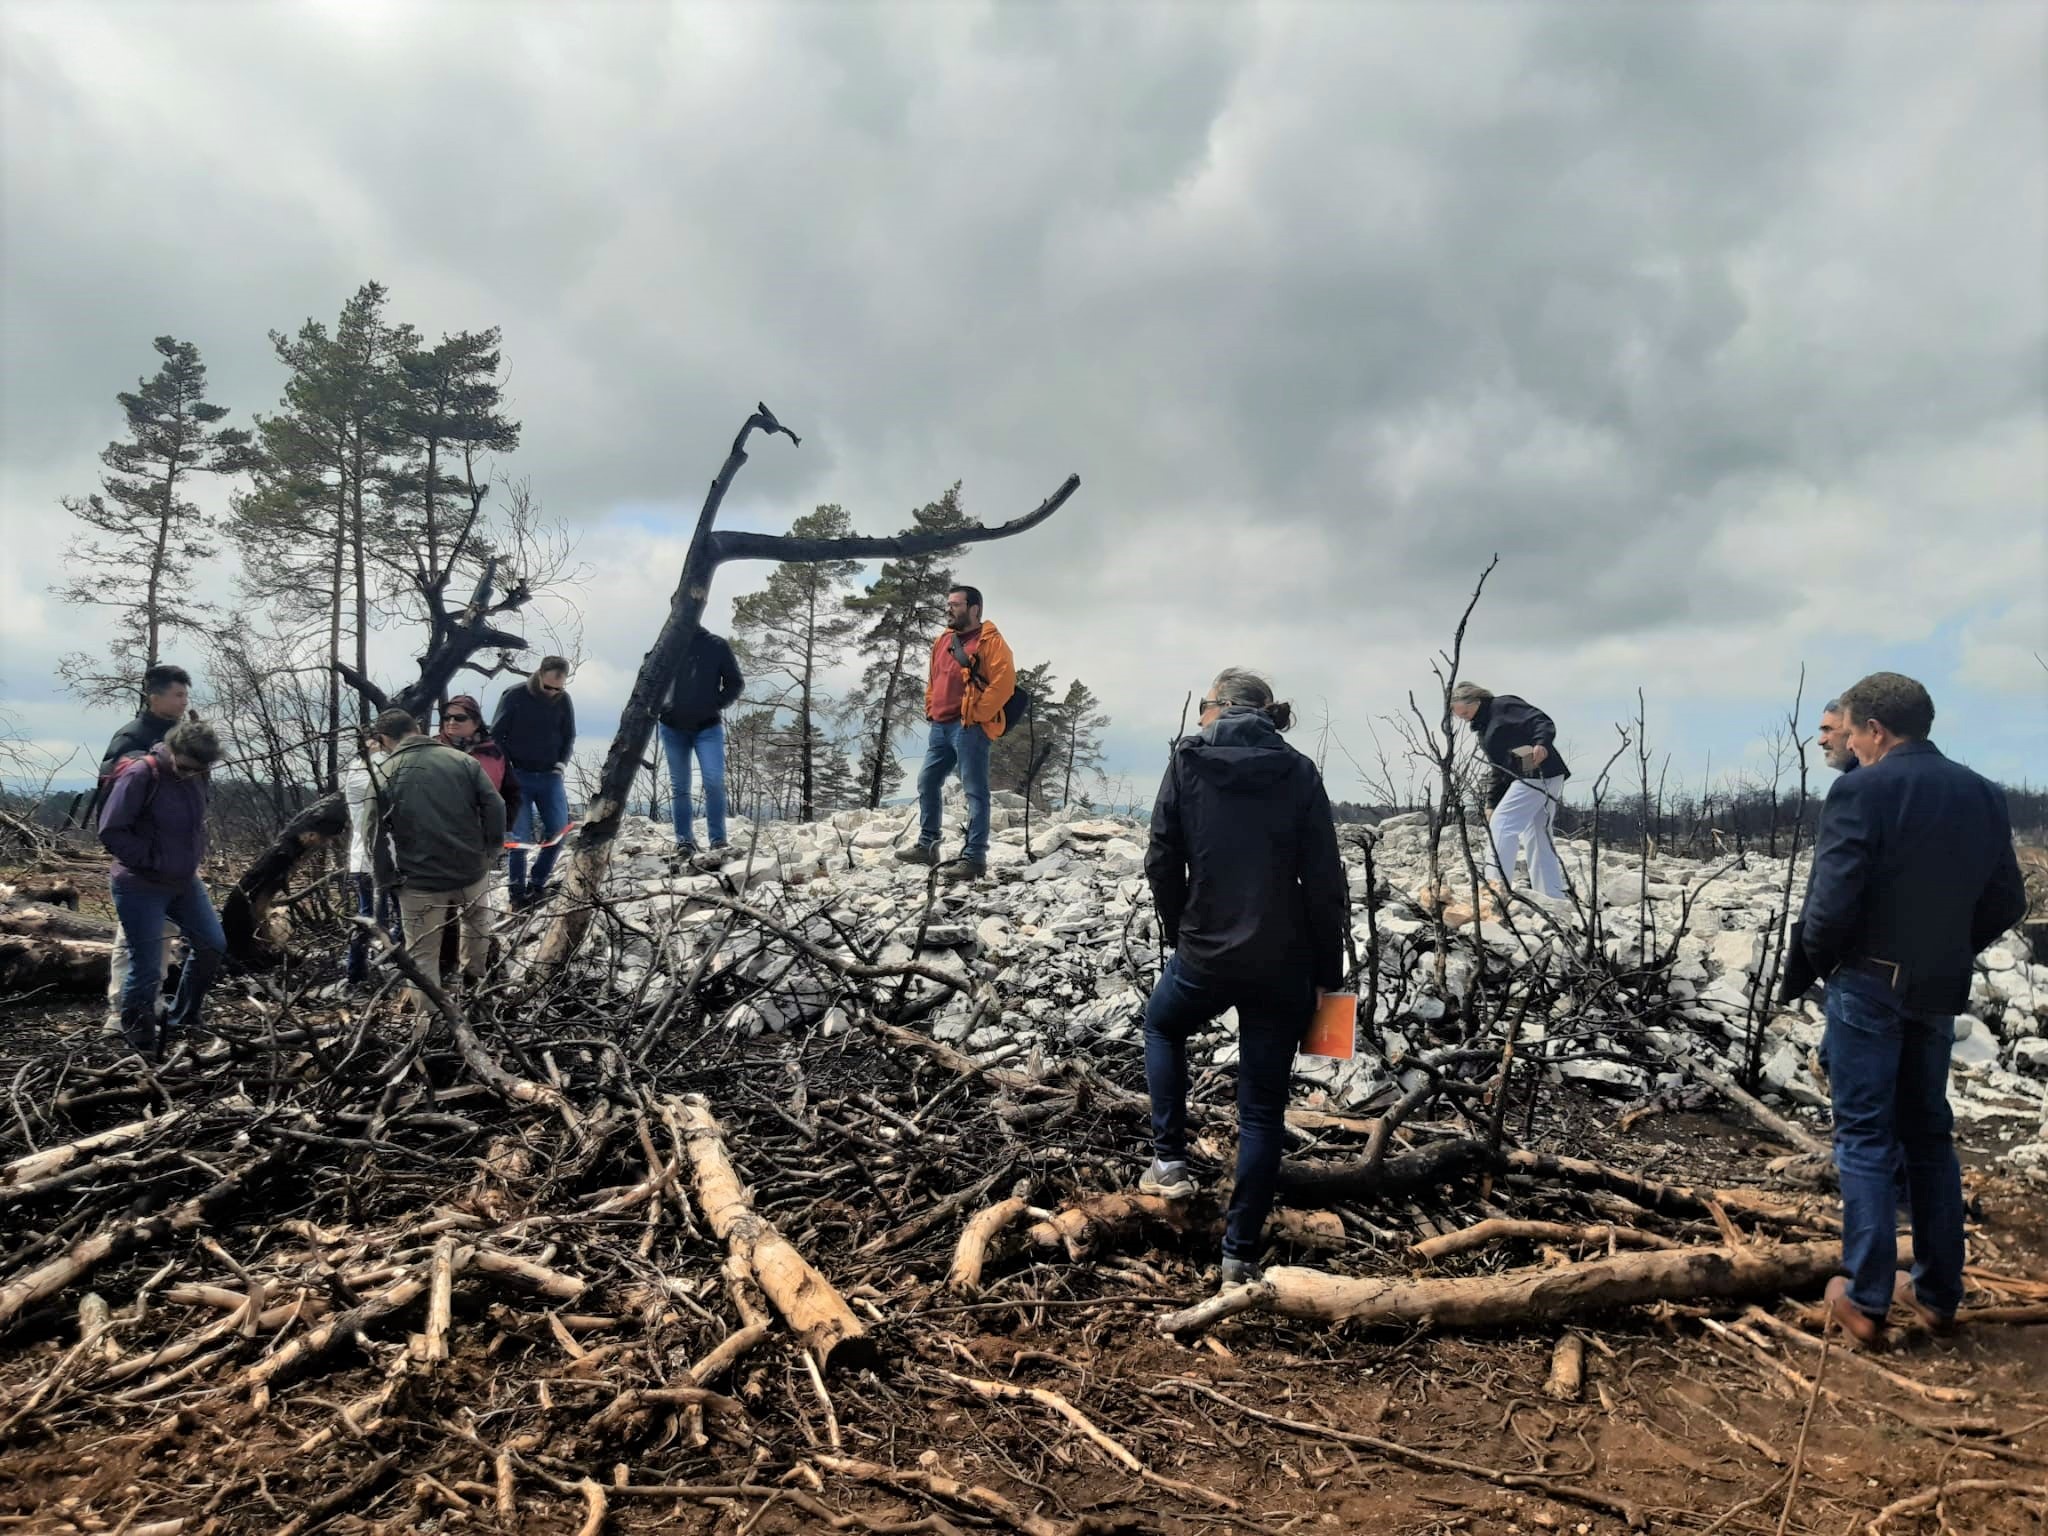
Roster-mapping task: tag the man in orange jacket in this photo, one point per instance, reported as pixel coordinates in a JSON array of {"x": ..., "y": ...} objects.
[{"x": 972, "y": 678}]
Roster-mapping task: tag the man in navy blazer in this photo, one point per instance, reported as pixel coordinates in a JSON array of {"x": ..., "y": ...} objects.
[{"x": 1913, "y": 873}]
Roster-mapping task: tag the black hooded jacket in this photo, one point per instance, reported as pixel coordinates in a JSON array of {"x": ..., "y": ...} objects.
[
  {"x": 1243, "y": 860},
  {"x": 1504, "y": 723}
]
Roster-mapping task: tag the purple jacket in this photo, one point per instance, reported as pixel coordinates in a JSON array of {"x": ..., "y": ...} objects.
[{"x": 154, "y": 823}]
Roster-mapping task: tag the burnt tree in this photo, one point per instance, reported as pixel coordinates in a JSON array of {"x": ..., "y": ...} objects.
[{"x": 710, "y": 547}]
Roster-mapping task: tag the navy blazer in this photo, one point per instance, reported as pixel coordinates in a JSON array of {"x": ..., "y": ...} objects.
[{"x": 1914, "y": 864}]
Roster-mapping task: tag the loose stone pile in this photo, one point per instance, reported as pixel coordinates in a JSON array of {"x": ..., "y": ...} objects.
[{"x": 1060, "y": 947}]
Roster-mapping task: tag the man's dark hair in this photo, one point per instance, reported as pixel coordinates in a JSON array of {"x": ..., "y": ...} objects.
[
  {"x": 395, "y": 725},
  {"x": 162, "y": 677},
  {"x": 972, "y": 594},
  {"x": 551, "y": 664},
  {"x": 1892, "y": 699}
]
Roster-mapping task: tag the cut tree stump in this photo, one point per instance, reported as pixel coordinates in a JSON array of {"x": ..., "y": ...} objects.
[
  {"x": 1521, "y": 1298},
  {"x": 46, "y": 946}
]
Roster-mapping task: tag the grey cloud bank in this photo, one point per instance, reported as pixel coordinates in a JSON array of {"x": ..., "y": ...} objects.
[{"x": 1723, "y": 325}]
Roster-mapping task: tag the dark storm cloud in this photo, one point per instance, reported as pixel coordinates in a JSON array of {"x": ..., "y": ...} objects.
[{"x": 1326, "y": 303}]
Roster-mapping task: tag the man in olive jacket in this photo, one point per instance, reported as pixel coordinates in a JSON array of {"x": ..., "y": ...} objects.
[{"x": 438, "y": 825}]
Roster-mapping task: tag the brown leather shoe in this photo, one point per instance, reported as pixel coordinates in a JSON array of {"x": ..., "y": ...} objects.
[
  {"x": 1864, "y": 1331},
  {"x": 1940, "y": 1324}
]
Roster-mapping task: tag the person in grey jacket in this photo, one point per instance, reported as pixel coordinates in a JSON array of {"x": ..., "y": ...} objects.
[{"x": 438, "y": 825}]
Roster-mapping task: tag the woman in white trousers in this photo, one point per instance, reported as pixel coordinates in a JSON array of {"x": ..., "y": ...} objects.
[{"x": 1520, "y": 741}]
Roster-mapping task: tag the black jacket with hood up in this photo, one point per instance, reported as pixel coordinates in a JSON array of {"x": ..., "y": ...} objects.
[
  {"x": 1243, "y": 860},
  {"x": 706, "y": 684}
]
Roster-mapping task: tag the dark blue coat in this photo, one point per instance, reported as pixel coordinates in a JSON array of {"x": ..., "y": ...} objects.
[{"x": 1914, "y": 864}]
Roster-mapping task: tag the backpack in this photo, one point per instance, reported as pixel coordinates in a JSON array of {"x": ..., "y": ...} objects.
[
  {"x": 122, "y": 764},
  {"x": 1016, "y": 708}
]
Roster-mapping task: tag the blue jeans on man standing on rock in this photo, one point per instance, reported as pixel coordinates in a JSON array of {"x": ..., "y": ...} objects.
[
  {"x": 1888, "y": 1077},
  {"x": 546, "y": 802},
  {"x": 1272, "y": 1019},
  {"x": 952, "y": 743},
  {"x": 142, "y": 909},
  {"x": 708, "y": 744}
]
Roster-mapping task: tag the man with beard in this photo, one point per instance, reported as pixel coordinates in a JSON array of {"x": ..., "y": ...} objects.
[{"x": 972, "y": 677}]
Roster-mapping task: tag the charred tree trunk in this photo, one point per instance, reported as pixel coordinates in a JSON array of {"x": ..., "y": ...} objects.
[
  {"x": 456, "y": 637},
  {"x": 590, "y": 850}
]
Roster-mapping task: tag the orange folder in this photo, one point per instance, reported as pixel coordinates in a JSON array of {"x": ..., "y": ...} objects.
[{"x": 1334, "y": 1031}]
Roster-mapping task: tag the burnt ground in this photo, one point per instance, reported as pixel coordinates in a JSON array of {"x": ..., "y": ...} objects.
[{"x": 1692, "y": 1429}]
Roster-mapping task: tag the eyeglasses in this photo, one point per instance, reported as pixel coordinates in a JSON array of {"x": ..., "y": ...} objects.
[
  {"x": 1208, "y": 704},
  {"x": 550, "y": 687},
  {"x": 457, "y": 719}
]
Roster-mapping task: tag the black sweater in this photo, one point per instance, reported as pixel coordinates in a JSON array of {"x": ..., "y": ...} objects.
[
  {"x": 706, "y": 684},
  {"x": 1243, "y": 860},
  {"x": 537, "y": 732}
]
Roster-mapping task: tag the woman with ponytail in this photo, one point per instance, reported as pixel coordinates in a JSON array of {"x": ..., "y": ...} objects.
[{"x": 1251, "y": 897}]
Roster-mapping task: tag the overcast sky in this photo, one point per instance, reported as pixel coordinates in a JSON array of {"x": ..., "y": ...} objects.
[{"x": 1723, "y": 325}]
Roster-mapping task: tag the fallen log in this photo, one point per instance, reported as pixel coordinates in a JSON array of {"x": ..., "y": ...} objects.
[
  {"x": 970, "y": 1254},
  {"x": 808, "y": 1302},
  {"x": 1526, "y": 1297},
  {"x": 1105, "y": 1221},
  {"x": 52, "y": 890},
  {"x": 1401, "y": 1174},
  {"x": 82, "y": 1257},
  {"x": 40, "y": 1165},
  {"x": 1500, "y": 1229},
  {"x": 48, "y": 947}
]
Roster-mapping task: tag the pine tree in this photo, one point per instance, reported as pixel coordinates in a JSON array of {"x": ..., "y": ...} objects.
[
  {"x": 1018, "y": 760},
  {"x": 1080, "y": 722},
  {"x": 145, "y": 538},
  {"x": 903, "y": 608},
  {"x": 446, "y": 420},
  {"x": 791, "y": 631},
  {"x": 316, "y": 519}
]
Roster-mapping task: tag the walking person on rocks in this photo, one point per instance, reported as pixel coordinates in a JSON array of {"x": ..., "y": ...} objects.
[
  {"x": 154, "y": 824},
  {"x": 973, "y": 677},
  {"x": 1520, "y": 741},
  {"x": 439, "y": 827},
  {"x": 1913, "y": 874},
  {"x": 1251, "y": 896},
  {"x": 536, "y": 726},
  {"x": 166, "y": 694},
  {"x": 692, "y": 723}
]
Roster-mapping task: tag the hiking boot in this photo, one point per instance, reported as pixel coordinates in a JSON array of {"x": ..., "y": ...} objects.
[
  {"x": 962, "y": 870},
  {"x": 1169, "y": 1181},
  {"x": 1939, "y": 1324},
  {"x": 142, "y": 1035},
  {"x": 918, "y": 853},
  {"x": 1864, "y": 1331},
  {"x": 1239, "y": 1271},
  {"x": 687, "y": 850}
]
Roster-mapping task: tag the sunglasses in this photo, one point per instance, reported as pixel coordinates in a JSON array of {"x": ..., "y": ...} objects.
[
  {"x": 550, "y": 687},
  {"x": 456, "y": 719}
]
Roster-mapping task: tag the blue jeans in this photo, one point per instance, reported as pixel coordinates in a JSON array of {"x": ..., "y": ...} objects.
[
  {"x": 709, "y": 746},
  {"x": 1888, "y": 1077},
  {"x": 952, "y": 743},
  {"x": 142, "y": 910},
  {"x": 1272, "y": 1018},
  {"x": 546, "y": 801},
  {"x": 383, "y": 906}
]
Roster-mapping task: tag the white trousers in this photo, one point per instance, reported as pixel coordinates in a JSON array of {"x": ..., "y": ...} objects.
[{"x": 1525, "y": 813}]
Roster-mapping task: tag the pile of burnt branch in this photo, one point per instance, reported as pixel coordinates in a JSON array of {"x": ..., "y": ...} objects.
[{"x": 566, "y": 1244}]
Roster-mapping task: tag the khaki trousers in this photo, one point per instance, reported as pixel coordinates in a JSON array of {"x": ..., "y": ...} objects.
[{"x": 427, "y": 915}]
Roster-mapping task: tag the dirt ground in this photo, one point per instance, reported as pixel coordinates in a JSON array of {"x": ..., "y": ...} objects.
[{"x": 1681, "y": 1427}]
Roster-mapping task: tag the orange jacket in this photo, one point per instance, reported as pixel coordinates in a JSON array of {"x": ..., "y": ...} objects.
[{"x": 988, "y": 686}]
